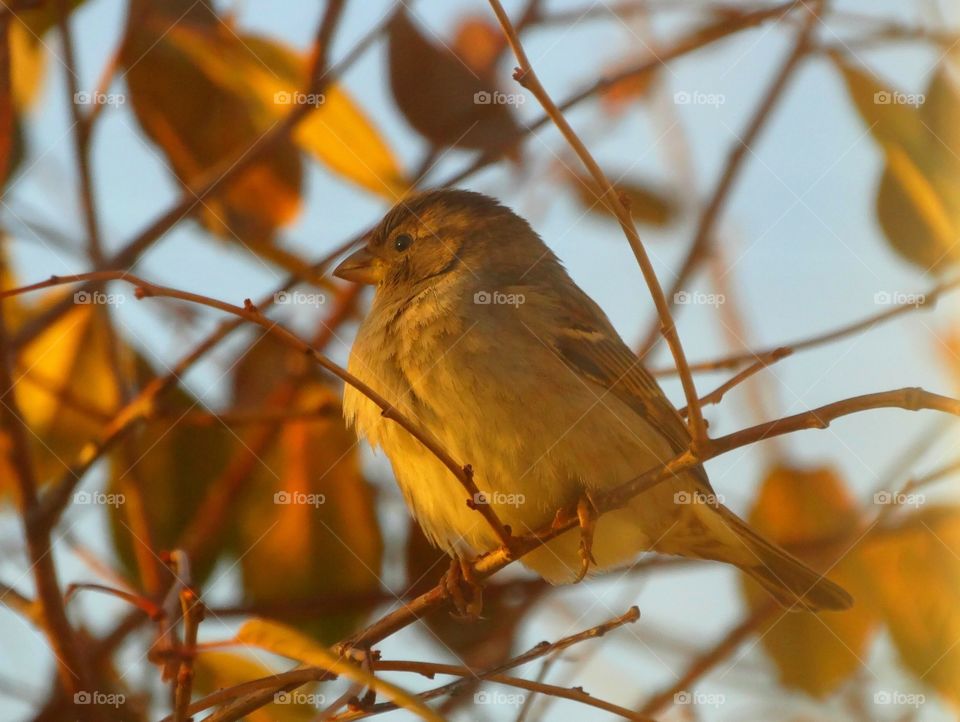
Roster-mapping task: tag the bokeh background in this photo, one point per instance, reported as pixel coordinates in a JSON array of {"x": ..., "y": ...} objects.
[{"x": 798, "y": 249}]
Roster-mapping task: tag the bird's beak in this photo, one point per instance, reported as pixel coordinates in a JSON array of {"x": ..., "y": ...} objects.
[{"x": 361, "y": 266}]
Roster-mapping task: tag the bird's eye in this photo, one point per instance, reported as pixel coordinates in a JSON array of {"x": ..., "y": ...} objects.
[{"x": 402, "y": 242}]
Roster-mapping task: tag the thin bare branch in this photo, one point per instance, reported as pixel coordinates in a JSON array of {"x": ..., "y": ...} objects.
[
  {"x": 700, "y": 248},
  {"x": 527, "y": 77}
]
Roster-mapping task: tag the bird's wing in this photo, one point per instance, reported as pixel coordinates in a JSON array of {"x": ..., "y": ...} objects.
[{"x": 591, "y": 347}]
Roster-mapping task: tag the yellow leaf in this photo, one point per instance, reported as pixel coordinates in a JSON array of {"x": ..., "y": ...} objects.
[
  {"x": 797, "y": 508},
  {"x": 272, "y": 77},
  {"x": 308, "y": 530},
  {"x": 199, "y": 122},
  {"x": 286, "y": 642},
  {"x": 221, "y": 670},
  {"x": 917, "y": 590},
  {"x": 27, "y": 63},
  {"x": 65, "y": 384}
]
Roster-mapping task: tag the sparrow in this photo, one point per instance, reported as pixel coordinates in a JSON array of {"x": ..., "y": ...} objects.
[{"x": 477, "y": 333}]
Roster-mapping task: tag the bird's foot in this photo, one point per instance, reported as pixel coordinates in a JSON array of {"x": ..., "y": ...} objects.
[
  {"x": 587, "y": 518},
  {"x": 464, "y": 589}
]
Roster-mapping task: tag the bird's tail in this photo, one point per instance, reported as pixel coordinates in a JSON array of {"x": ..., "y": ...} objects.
[{"x": 791, "y": 582}]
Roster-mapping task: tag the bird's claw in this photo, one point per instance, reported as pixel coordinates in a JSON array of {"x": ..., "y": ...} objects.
[
  {"x": 587, "y": 519},
  {"x": 464, "y": 589}
]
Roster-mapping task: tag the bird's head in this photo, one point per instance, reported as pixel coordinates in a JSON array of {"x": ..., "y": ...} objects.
[{"x": 428, "y": 236}]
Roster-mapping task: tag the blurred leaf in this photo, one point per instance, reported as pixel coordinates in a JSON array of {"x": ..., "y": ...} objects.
[
  {"x": 220, "y": 670},
  {"x": 65, "y": 387},
  {"x": 27, "y": 55},
  {"x": 620, "y": 95},
  {"x": 446, "y": 100},
  {"x": 917, "y": 585},
  {"x": 174, "y": 463},
  {"x": 38, "y": 20},
  {"x": 308, "y": 529},
  {"x": 797, "y": 508},
  {"x": 286, "y": 642},
  {"x": 205, "y": 93},
  {"x": 478, "y": 42},
  {"x": 918, "y": 199},
  {"x": 272, "y": 76},
  {"x": 198, "y": 123},
  {"x": 647, "y": 205}
]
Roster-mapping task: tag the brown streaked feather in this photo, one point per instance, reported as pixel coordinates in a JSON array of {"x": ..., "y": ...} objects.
[{"x": 593, "y": 349}]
